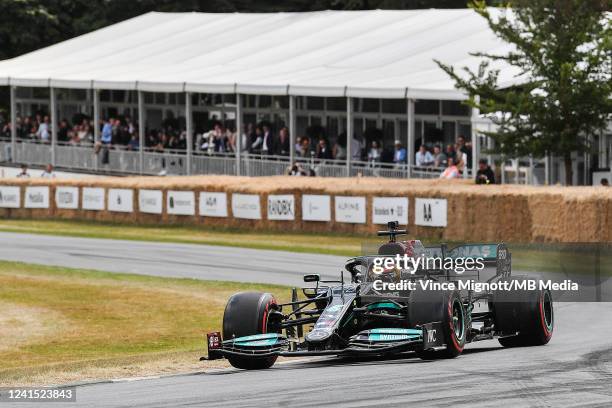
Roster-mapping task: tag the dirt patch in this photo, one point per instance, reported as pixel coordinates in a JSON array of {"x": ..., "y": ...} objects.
[{"x": 21, "y": 325}]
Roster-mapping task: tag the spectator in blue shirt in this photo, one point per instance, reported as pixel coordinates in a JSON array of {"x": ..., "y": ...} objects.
[
  {"x": 134, "y": 143},
  {"x": 399, "y": 157},
  {"x": 423, "y": 157},
  {"x": 107, "y": 132}
]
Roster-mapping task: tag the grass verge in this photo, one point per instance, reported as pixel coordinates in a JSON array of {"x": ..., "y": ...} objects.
[{"x": 63, "y": 325}]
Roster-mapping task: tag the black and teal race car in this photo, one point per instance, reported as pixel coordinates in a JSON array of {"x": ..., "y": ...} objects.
[{"x": 358, "y": 318}]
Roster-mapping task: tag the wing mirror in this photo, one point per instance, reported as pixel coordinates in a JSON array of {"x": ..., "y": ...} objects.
[{"x": 312, "y": 278}]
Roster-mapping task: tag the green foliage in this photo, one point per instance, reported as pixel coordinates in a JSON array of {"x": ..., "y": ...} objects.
[{"x": 562, "y": 51}]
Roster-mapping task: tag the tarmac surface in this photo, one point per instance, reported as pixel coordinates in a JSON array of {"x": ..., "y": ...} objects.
[
  {"x": 574, "y": 369},
  {"x": 206, "y": 262}
]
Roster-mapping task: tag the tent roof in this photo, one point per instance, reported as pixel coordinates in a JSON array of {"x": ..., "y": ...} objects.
[{"x": 377, "y": 53}]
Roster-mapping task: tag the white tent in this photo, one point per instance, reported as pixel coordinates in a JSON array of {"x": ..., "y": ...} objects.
[{"x": 378, "y": 54}]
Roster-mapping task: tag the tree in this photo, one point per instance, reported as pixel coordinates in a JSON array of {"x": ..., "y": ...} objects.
[{"x": 563, "y": 52}]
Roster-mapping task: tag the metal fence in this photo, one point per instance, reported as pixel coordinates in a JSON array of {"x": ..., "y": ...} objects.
[{"x": 116, "y": 160}]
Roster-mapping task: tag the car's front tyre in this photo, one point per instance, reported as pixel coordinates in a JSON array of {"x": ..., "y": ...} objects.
[
  {"x": 426, "y": 306},
  {"x": 246, "y": 314}
]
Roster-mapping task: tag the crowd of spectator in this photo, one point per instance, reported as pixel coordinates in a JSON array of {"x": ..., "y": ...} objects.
[{"x": 450, "y": 160}]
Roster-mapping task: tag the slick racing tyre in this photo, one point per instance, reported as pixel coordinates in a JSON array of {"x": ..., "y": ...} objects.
[
  {"x": 246, "y": 313},
  {"x": 440, "y": 306},
  {"x": 524, "y": 317}
]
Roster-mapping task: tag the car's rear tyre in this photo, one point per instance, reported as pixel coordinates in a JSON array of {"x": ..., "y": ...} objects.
[
  {"x": 525, "y": 317},
  {"x": 246, "y": 313},
  {"x": 440, "y": 306}
]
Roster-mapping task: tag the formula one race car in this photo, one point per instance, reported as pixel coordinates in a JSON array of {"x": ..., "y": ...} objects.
[{"x": 386, "y": 309}]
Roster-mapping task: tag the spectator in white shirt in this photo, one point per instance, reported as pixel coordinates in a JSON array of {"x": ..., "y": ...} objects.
[
  {"x": 24, "y": 172},
  {"x": 423, "y": 157},
  {"x": 48, "y": 173},
  {"x": 43, "y": 130}
]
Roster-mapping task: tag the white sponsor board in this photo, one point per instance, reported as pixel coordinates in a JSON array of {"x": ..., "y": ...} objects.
[
  {"x": 67, "y": 197},
  {"x": 37, "y": 197},
  {"x": 180, "y": 202},
  {"x": 150, "y": 201},
  {"x": 430, "y": 212},
  {"x": 281, "y": 207},
  {"x": 10, "y": 197},
  {"x": 246, "y": 206},
  {"x": 387, "y": 209},
  {"x": 213, "y": 204},
  {"x": 350, "y": 209},
  {"x": 120, "y": 200},
  {"x": 316, "y": 207},
  {"x": 93, "y": 198}
]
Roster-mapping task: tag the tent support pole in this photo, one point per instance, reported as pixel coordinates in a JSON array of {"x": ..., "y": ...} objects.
[
  {"x": 13, "y": 123},
  {"x": 141, "y": 131},
  {"x": 292, "y": 130},
  {"x": 96, "y": 115},
  {"x": 410, "y": 129},
  {"x": 239, "y": 127},
  {"x": 96, "y": 122},
  {"x": 53, "y": 107},
  {"x": 189, "y": 132},
  {"x": 349, "y": 134},
  {"x": 475, "y": 142}
]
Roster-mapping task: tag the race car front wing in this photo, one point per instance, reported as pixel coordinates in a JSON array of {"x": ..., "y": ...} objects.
[{"x": 379, "y": 341}]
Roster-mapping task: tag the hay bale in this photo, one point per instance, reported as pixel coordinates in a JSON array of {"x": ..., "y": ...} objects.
[{"x": 488, "y": 213}]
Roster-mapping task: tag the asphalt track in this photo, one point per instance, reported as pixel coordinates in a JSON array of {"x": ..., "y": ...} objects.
[
  {"x": 574, "y": 369},
  {"x": 167, "y": 259}
]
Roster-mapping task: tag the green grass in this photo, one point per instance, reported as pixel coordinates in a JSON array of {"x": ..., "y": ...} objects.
[{"x": 57, "y": 321}]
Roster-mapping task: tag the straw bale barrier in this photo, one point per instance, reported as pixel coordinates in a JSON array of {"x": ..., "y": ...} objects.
[{"x": 497, "y": 212}]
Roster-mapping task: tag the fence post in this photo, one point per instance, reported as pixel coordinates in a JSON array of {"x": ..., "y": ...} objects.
[
  {"x": 188, "y": 130},
  {"x": 141, "y": 131},
  {"x": 13, "y": 124},
  {"x": 292, "y": 130},
  {"x": 238, "y": 132},
  {"x": 410, "y": 125},
  {"x": 53, "y": 123},
  {"x": 349, "y": 134}
]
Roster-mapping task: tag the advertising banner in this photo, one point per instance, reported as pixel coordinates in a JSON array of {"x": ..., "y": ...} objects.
[
  {"x": 10, "y": 197},
  {"x": 430, "y": 212},
  {"x": 246, "y": 206},
  {"x": 93, "y": 198},
  {"x": 180, "y": 202},
  {"x": 150, "y": 201},
  {"x": 316, "y": 207},
  {"x": 67, "y": 197},
  {"x": 37, "y": 197},
  {"x": 120, "y": 200},
  {"x": 350, "y": 209},
  {"x": 281, "y": 207},
  {"x": 387, "y": 209},
  {"x": 213, "y": 204}
]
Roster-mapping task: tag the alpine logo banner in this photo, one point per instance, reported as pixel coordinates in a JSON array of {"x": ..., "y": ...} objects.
[
  {"x": 350, "y": 209},
  {"x": 430, "y": 212},
  {"x": 281, "y": 207}
]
